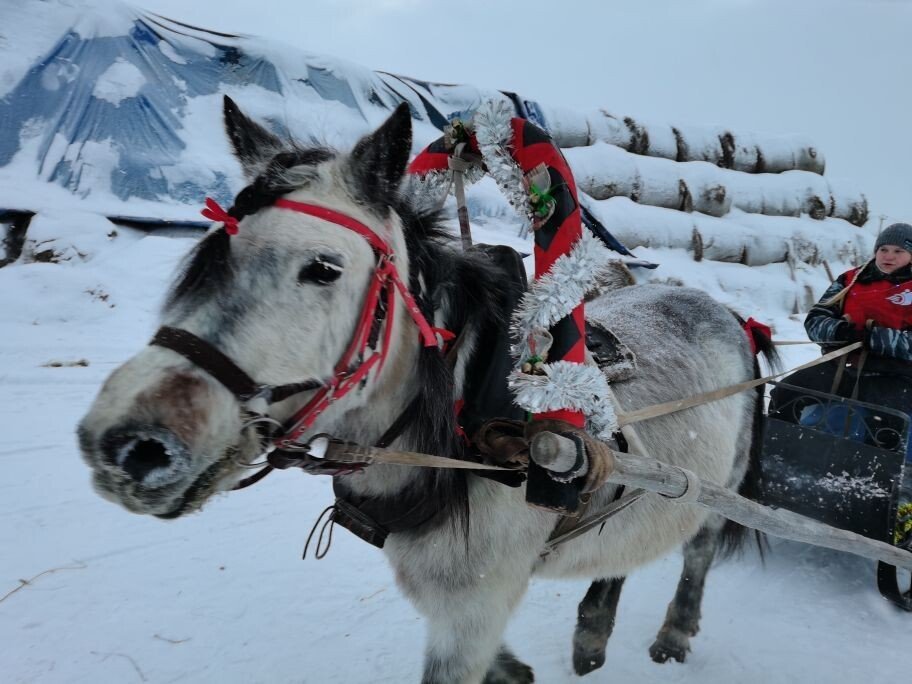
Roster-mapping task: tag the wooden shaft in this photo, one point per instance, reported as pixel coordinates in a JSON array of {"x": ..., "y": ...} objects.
[
  {"x": 558, "y": 455},
  {"x": 634, "y": 470}
]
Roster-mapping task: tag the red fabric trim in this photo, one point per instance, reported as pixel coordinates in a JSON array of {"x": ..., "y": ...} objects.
[
  {"x": 750, "y": 327},
  {"x": 338, "y": 218},
  {"x": 426, "y": 162},
  {"x": 214, "y": 212},
  {"x": 567, "y": 415}
]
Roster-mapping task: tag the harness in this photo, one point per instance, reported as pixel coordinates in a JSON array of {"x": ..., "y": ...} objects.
[
  {"x": 360, "y": 357},
  {"x": 370, "y": 518}
]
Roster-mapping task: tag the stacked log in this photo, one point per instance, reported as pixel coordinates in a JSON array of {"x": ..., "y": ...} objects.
[
  {"x": 604, "y": 171},
  {"x": 739, "y": 237},
  {"x": 719, "y": 146}
]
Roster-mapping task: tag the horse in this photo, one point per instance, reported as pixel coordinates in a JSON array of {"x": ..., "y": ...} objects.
[{"x": 274, "y": 295}]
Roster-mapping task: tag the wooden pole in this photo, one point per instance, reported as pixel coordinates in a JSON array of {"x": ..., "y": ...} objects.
[{"x": 635, "y": 470}]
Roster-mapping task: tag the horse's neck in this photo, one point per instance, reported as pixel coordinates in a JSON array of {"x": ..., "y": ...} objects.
[{"x": 390, "y": 399}]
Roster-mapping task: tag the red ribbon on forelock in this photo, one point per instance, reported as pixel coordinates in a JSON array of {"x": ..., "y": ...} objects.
[
  {"x": 214, "y": 212},
  {"x": 750, "y": 326}
]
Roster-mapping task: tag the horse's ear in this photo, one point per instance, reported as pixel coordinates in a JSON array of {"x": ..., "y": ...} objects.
[
  {"x": 377, "y": 164},
  {"x": 253, "y": 145}
]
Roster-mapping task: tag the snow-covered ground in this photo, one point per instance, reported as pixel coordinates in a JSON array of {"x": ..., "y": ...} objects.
[{"x": 91, "y": 593}]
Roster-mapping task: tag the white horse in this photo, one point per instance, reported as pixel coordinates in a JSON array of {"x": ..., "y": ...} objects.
[{"x": 281, "y": 301}]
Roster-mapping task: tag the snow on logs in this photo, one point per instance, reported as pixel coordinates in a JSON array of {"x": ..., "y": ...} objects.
[
  {"x": 719, "y": 146},
  {"x": 740, "y": 237},
  {"x": 605, "y": 170}
]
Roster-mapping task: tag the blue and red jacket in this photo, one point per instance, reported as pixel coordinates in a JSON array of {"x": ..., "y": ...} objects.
[{"x": 884, "y": 299}]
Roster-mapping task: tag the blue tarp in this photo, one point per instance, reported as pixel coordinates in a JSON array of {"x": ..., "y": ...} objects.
[{"x": 170, "y": 64}]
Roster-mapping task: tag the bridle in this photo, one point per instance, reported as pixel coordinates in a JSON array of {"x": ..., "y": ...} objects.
[{"x": 376, "y": 318}]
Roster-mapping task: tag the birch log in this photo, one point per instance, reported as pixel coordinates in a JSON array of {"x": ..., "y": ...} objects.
[
  {"x": 604, "y": 171},
  {"x": 720, "y": 146},
  {"x": 739, "y": 237}
]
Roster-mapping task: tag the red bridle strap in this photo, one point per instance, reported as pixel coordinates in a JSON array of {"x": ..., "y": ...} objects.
[
  {"x": 346, "y": 378},
  {"x": 379, "y": 245},
  {"x": 340, "y": 219}
]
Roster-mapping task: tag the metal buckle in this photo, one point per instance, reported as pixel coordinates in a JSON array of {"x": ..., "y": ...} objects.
[
  {"x": 259, "y": 402},
  {"x": 316, "y": 447},
  {"x": 261, "y": 458}
]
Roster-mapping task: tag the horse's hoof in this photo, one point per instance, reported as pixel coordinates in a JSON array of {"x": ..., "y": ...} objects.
[
  {"x": 586, "y": 662},
  {"x": 508, "y": 669},
  {"x": 662, "y": 652}
]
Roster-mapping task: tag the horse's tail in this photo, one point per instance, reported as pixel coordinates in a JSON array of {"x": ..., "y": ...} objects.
[{"x": 733, "y": 534}]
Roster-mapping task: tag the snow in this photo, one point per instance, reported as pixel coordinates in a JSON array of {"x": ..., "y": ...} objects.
[
  {"x": 224, "y": 596},
  {"x": 119, "y": 81}
]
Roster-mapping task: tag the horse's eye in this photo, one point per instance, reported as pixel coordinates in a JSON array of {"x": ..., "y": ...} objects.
[{"x": 320, "y": 272}]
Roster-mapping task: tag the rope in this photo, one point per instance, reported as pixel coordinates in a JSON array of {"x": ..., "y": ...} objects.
[
  {"x": 689, "y": 402},
  {"x": 591, "y": 521},
  {"x": 321, "y": 549}
]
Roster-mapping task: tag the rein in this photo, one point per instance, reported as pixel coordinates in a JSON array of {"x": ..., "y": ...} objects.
[
  {"x": 657, "y": 410},
  {"x": 325, "y": 448}
]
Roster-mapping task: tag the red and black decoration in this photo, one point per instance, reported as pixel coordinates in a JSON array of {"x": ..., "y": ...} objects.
[{"x": 555, "y": 234}]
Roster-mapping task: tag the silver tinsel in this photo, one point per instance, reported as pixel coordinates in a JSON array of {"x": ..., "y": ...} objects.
[
  {"x": 557, "y": 293},
  {"x": 495, "y": 136},
  {"x": 566, "y": 385},
  {"x": 433, "y": 187}
]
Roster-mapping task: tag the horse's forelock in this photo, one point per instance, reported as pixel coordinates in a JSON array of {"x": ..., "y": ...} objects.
[
  {"x": 207, "y": 268},
  {"x": 286, "y": 172}
]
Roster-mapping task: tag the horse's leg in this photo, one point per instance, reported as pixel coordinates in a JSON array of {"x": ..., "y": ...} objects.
[
  {"x": 682, "y": 620},
  {"x": 595, "y": 622},
  {"x": 465, "y": 630}
]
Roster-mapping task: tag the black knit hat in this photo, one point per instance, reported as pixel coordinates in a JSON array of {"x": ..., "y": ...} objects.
[{"x": 899, "y": 234}]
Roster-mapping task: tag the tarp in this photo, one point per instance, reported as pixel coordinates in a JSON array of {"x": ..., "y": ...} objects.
[{"x": 127, "y": 104}]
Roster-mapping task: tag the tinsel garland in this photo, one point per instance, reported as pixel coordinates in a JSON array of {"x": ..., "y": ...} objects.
[
  {"x": 494, "y": 134},
  {"x": 565, "y": 385},
  {"x": 434, "y": 187},
  {"x": 555, "y": 295},
  {"x": 558, "y": 385}
]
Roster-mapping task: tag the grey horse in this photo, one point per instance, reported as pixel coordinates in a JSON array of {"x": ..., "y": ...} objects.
[{"x": 281, "y": 300}]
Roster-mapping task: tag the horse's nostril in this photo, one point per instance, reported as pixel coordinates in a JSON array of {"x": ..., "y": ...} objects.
[
  {"x": 150, "y": 455},
  {"x": 141, "y": 457}
]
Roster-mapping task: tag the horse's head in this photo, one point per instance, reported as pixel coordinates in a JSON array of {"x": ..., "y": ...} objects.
[{"x": 282, "y": 300}]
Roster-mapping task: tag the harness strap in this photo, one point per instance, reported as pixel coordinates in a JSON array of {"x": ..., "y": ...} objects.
[
  {"x": 209, "y": 358},
  {"x": 591, "y": 521},
  {"x": 680, "y": 404},
  {"x": 374, "y": 519}
]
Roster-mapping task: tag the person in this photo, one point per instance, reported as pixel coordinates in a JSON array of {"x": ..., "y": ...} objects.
[{"x": 872, "y": 304}]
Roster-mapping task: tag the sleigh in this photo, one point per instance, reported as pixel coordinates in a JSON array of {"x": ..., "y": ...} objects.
[{"x": 840, "y": 462}]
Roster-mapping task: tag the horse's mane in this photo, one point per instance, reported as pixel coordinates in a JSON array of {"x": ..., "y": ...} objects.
[{"x": 469, "y": 287}]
